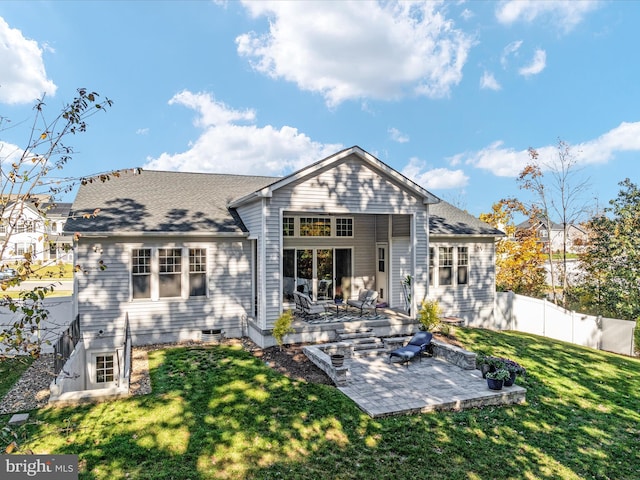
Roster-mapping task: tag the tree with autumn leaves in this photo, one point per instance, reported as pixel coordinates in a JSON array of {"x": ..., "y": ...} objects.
[
  {"x": 519, "y": 256},
  {"x": 26, "y": 180}
]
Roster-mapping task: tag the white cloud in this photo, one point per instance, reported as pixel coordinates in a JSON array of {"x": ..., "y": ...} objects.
[
  {"x": 436, "y": 178},
  {"x": 22, "y": 77},
  {"x": 467, "y": 14},
  {"x": 537, "y": 65},
  {"x": 9, "y": 153},
  {"x": 489, "y": 82},
  {"x": 624, "y": 138},
  {"x": 142, "y": 131},
  {"x": 565, "y": 14},
  {"x": 508, "y": 162},
  {"x": 509, "y": 50},
  {"x": 228, "y": 147},
  {"x": 356, "y": 50},
  {"x": 398, "y": 136}
]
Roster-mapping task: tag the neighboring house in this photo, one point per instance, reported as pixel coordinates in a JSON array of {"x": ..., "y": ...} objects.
[
  {"x": 25, "y": 228},
  {"x": 554, "y": 238},
  {"x": 181, "y": 253}
]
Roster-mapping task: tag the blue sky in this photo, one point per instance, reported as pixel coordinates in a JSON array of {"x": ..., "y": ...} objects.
[{"x": 449, "y": 93}]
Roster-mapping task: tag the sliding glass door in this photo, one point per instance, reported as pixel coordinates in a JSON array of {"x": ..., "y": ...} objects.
[{"x": 317, "y": 272}]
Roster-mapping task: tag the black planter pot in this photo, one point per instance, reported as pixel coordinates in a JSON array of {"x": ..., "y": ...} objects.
[
  {"x": 511, "y": 380},
  {"x": 337, "y": 360},
  {"x": 494, "y": 384}
]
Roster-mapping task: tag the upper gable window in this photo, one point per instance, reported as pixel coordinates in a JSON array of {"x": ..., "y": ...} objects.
[
  {"x": 328, "y": 226},
  {"x": 344, "y": 227},
  {"x": 288, "y": 227},
  {"x": 315, "y": 227}
]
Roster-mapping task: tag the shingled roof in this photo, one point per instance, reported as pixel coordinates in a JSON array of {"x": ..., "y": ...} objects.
[
  {"x": 178, "y": 202},
  {"x": 445, "y": 219},
  {"x": 162, "y": 202}
]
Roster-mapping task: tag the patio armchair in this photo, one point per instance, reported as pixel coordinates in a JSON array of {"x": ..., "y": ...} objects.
[
  {"x": 307, "y": 306},
  {"x": 366, "y": 301},
  {"x": 416, "y": 347}
]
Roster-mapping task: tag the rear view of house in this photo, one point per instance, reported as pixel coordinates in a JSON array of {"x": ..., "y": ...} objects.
[{"x": 181, "y": 253}]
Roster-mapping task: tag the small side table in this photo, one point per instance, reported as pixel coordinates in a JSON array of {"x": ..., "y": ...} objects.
[{"x": 337, "y": 305}]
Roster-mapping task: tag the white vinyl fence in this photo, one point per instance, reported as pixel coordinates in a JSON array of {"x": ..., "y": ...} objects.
[{"x": 540, "y": 317}]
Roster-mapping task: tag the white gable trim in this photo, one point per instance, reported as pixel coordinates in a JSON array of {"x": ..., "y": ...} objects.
[{"x": 427, "y": 197}]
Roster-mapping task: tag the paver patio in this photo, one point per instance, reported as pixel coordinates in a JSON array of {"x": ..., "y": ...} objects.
[{"x": 381, "y": 388}]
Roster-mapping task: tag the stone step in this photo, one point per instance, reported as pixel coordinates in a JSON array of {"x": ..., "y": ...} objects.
[
  {"x": 352, "y": 331},
  {"x": 370, "y": 342},
  {"x": 370, "y": 352},
  {"x": 354, "y": 336}
]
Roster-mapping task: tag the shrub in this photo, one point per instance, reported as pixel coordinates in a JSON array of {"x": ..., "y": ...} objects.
[
  {"x": 429, "y": 314},
  {"x": 283, "y": 326}
]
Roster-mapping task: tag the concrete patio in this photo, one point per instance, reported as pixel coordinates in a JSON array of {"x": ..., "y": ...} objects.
[
  {"x": 382, "y": 389},
  {"x": 445, "y": 380}
]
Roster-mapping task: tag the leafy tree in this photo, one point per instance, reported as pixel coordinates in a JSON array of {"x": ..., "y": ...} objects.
[
  {"x": 25, "y": 180},
  {"x": 519, "y": 256},
  {"x": 611, "y": 260},
  {"x": 558, "y": 190}
]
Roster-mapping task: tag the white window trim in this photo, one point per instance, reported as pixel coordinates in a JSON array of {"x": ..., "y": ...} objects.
[
  {"x": 333, "y": 225},
  {"x": 454, "y": 273},
  {"x": 154, "y": 282}
]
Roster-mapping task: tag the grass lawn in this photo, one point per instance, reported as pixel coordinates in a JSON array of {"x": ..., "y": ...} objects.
[
  {"x": 219, "y": 413},
  {"x": 11, "y": 369}
]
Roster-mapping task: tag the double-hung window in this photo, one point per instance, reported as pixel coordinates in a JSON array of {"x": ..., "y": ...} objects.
[
  {"x": 141, "y": 272},
  {"x": 445, "y": 265},
  {"x": 448, "y": 266},
  {"x": 170, "y": 272},
  {"x": 197, "y": 272},
  {"x": 463, "y": 265}
]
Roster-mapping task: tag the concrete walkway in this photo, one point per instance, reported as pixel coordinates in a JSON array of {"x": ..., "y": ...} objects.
[{"x": 382, "y": 389}]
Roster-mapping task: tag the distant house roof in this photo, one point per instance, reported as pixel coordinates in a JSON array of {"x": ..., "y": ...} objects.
[
  {"x": 542, "y": 224},
  {"x": 162, "y": 202},
  {"x": 445, "y": 219},
  {"x": 57, "y": 209}
]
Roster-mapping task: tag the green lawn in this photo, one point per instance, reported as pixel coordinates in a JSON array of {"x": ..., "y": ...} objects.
[
  {"x": 219, "y": 413},
  {"x": 11, "y": 369}
]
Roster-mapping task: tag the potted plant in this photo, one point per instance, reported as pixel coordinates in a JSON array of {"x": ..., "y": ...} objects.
[
  {"x": 338, "y": 297},
  {"x": 496, "y": 379},
  {"x": 429, "y": 315},
  {"x": 514, "y": 369},
  {"x": 488, "y": 363}
]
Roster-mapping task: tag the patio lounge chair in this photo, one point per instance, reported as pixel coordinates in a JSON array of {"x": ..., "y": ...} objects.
[
  {"x": 366, "y": 301},
  {"x": 309, "y": 307},
  {"x": 416, "y": 346}
]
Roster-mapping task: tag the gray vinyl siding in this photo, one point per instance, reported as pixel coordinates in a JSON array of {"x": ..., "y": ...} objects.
[
  {"x": 104, "y": 296},
  {"x": 400, "y": 268},
  {"x": 351, "y": 189},
  {"x": 475, "y": 300}
]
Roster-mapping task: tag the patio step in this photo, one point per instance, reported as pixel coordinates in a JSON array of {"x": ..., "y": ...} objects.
[
  {"x": 372, "y": 351},
  {"x": 353, "y": 334},
  {"x": 368, "y": 342}
]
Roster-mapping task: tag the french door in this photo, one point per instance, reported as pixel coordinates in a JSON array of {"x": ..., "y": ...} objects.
[{"x": 318, "y": 272}]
